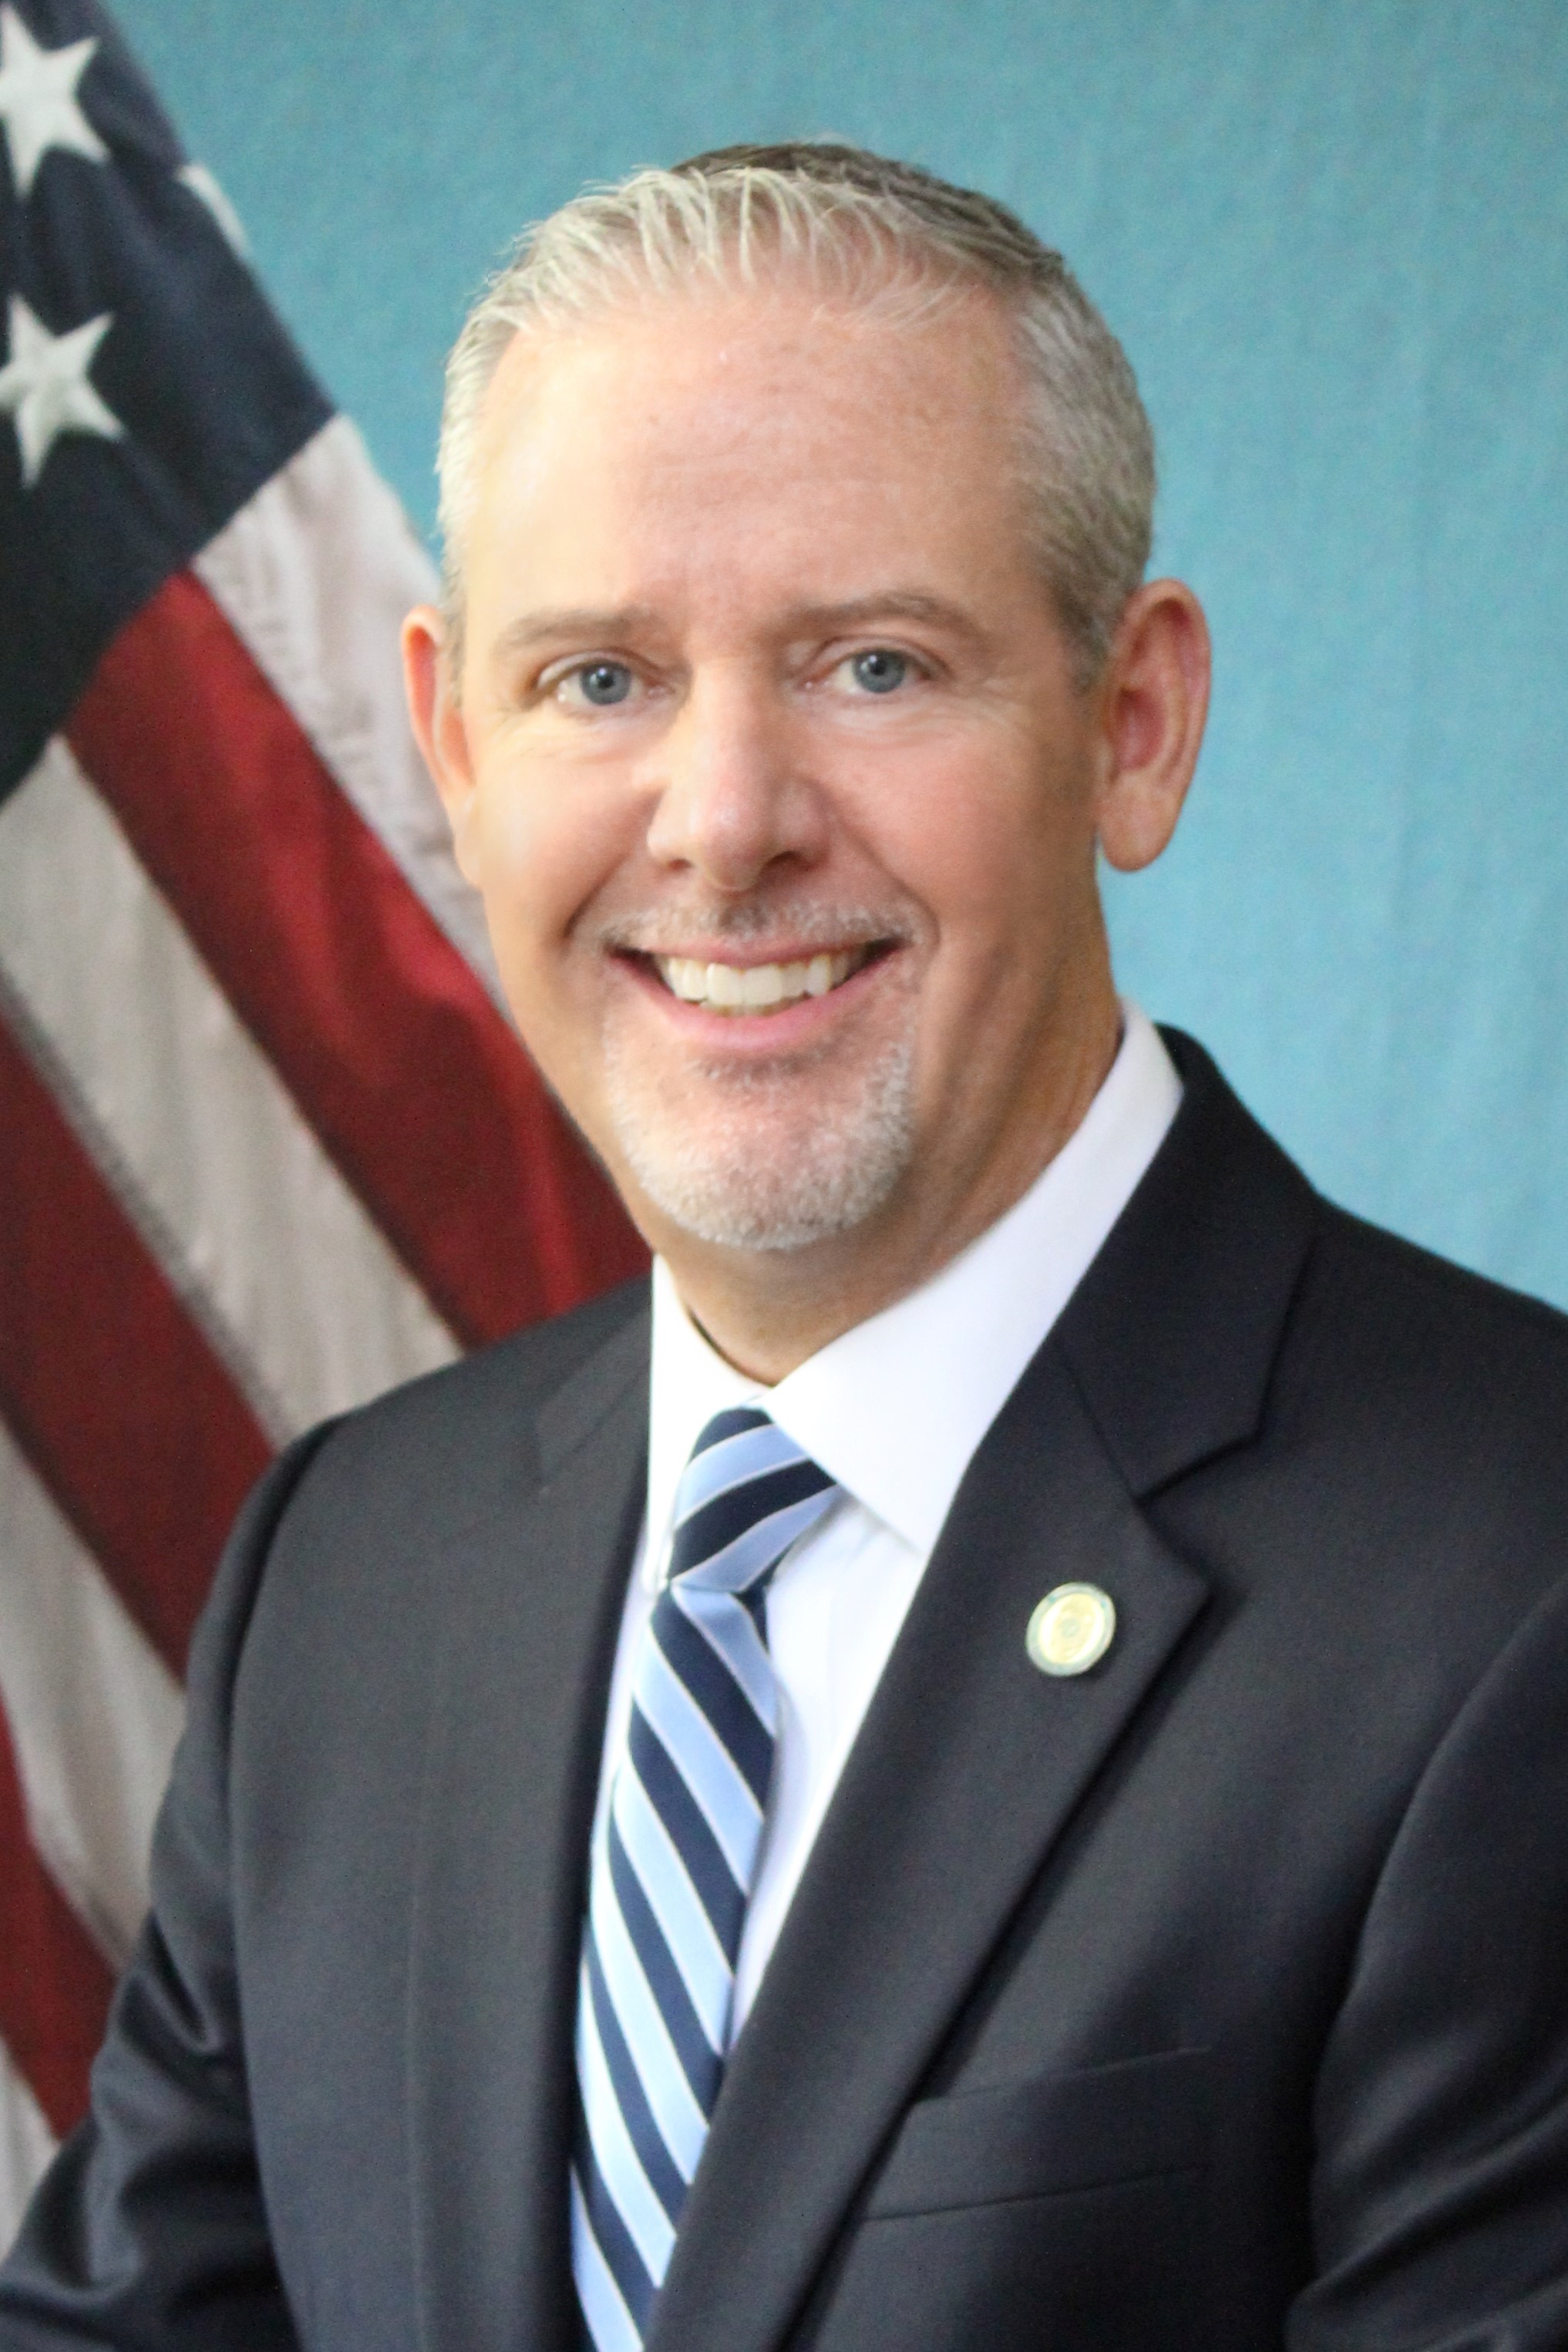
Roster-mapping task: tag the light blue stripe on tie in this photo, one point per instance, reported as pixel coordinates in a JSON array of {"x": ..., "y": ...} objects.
[
  {"x": 731, "y": 1462},
  {"x": 676, "y": 1906},
  {"x": 729, "y": 1628},
  {"x": 610, "y": 2324},
  {"x": 681, "y": 2121},
  {"x": 620, "y": 2166},
  {"x": 739, "y": 1562},
  {"x": 703, "y": 1761}
]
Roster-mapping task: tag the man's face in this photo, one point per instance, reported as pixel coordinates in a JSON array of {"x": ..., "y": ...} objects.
[{"x": 771, "y": 766}]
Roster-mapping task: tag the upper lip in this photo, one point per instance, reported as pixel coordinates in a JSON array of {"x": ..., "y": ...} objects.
[{"x": 752, "y": 955}]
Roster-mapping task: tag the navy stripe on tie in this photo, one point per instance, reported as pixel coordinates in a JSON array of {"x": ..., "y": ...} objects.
[
  {"x": 722, "y": 1701},
  {"x": 730, "y": 1514},
  {"x": 646, "y": 2138},
  {"x": 732, "y": 1423},
  {"x": 625, "y": 2264},
  {"x": 700, "y": 2063},
  {"x": 693, "y": 1841}
]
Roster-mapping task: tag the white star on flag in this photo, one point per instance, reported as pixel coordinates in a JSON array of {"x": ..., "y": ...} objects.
[
  {"x": 45, "y": 389},
  {"x": 38, "y": 105}
]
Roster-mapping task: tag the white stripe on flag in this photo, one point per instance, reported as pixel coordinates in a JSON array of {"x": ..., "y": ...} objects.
[
  {"x": 27, "y": 2143},
  {"x": 315, "y": 576},
  {"x": 94, "y": 1712},
  {"x": 190, "y": 1124}
]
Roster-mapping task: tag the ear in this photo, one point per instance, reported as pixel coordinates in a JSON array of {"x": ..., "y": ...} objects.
[
  {"x": 438, "y": 726},
  {"x": 1154, "y": 698}
]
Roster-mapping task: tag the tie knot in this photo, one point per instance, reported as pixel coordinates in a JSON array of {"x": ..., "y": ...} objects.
[{"x": 745, "y": 1496}]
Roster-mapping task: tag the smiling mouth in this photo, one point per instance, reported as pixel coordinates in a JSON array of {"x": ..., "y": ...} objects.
[{"x": 755, "y": 989}]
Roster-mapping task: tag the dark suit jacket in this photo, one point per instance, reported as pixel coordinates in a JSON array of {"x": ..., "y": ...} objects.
[{"x": 1217, "y": 1998}]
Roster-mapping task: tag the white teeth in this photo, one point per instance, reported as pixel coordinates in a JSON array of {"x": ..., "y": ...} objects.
[
  {"x": 762, "y": 984},
  {"x": 688, "y": 978},
  {"x": 757, "y": 987}
]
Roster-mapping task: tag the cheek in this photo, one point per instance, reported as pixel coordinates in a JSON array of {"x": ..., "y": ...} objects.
[
  {"x": 545, "y": 844},
  {"x": 1005, "y": 874},
  {"x": 984, "y": 859},
  {"x": 979, "y": 816}
]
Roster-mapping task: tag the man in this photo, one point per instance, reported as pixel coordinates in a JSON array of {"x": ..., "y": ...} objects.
[{"x": 1052, "y": 1834}]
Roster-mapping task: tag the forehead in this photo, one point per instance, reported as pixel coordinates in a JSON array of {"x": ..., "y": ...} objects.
[
  {"x": 703, "y": 429},
  {"x": 757, "y": 332}
]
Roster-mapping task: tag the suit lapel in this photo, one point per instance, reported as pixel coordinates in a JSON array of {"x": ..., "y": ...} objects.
[
  {"x": 970, "y": 1763},
  {"x": 502, "y": 1855},
  {"x": 968, "y": 1766}
]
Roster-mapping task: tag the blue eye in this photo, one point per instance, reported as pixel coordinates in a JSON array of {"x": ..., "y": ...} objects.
[
  {"x": 605, "y": 683},
  {"x": 879, "y": 670}
]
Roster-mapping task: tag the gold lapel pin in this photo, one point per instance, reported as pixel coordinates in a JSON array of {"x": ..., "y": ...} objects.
[{"x": 1071, "y": 1630}]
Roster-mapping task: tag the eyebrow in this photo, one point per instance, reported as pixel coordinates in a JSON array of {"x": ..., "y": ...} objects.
[
  {"x": 887, "y": 604},
  {"x": 592, "y": 624},
  {"x": 578, "y": 624}
]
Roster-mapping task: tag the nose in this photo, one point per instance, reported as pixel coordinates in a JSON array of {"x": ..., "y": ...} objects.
[{"x": 734, "y": 797}]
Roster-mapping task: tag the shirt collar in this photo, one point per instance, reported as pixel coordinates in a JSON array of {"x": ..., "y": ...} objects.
[{"x": 895, "y": 1409}]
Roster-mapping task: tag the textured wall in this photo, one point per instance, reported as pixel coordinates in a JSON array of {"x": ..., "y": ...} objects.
[{"x": 1333, "y": 234}]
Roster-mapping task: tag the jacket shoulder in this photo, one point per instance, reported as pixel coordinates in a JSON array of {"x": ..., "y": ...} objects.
[
  {"x": 401, "y": 1478},
  {"x": 1474, "y": 1299},
  {"x": 1446, "y": 1332},
  {"x": 511, "y": 1381}
]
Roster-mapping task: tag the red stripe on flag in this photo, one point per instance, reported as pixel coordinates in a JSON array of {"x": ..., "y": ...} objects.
[
  {"x": 55, "y": 1985},
  {"x": 115, "y": 1395},
  {"x": 390, "y": 1045}
]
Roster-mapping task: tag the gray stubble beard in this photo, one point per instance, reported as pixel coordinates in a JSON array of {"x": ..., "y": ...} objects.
[
  {"x": 839, "y": 1168},
  {"x": 730, "y": 1190}
]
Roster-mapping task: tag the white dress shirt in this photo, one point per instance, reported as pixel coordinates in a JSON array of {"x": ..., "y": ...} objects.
[{"x": 894, "y": 1410}]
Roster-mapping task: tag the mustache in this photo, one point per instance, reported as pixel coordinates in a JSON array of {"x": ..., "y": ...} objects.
[{"x": 748, "y": 923}]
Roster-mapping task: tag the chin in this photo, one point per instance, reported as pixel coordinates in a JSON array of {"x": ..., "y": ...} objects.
[{"x": 751, "y": 1173}]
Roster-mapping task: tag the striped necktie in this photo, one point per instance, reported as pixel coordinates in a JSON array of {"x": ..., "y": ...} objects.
[{"x": 674, "y": 1864}]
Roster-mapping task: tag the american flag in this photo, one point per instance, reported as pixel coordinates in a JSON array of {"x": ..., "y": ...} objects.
[{"x": 266, "y": 1141}]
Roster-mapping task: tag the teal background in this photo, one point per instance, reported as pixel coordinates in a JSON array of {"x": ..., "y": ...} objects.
[{"x": 1334, "y": 236}]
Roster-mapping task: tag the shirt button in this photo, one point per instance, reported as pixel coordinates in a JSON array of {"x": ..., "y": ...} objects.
[{"x": 1071, "y": 1630}]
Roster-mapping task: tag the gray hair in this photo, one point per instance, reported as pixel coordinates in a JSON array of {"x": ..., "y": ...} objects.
[{"x": 879, "y": 235}]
